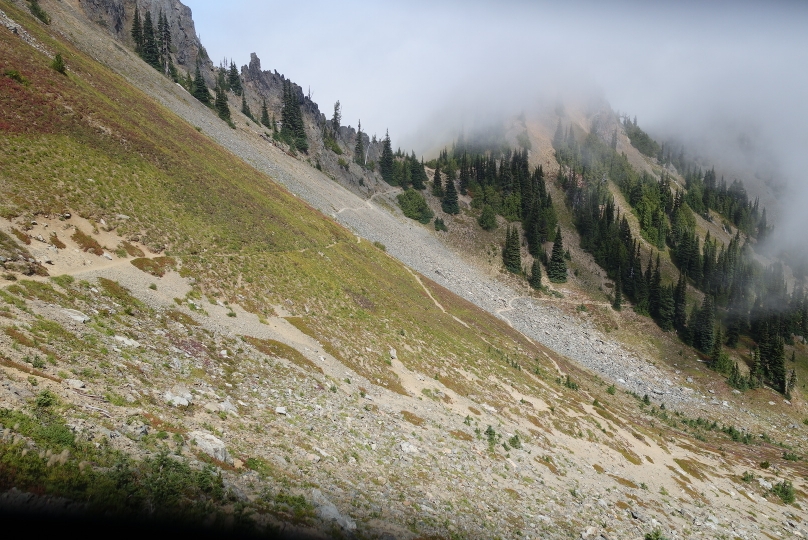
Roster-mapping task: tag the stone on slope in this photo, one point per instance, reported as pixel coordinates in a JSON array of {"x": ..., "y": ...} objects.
[
  {"x": 327, "y": 511},
  {"x": 179, "y": 396},
  {"x": 76, "y": 315},
  {"x": 211, "y": 445}
]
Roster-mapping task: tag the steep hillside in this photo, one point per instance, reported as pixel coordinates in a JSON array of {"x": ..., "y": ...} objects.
[{"x": 214, "y": 348}]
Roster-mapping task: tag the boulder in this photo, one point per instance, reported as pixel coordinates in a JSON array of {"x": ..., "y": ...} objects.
[
  {"x": 212, "y": 446},
  {"x": 228, "y": 407},
  {"x": 765, "y": 484},
  {"x": 408, "y": 448},
  {"x": 73, "y": 383},
  {"x": 328, "y": 512},
  {"x": 128, "y": 342},
  {"x": 76, "y": 315},
  {"x": 179, "y": 396}
]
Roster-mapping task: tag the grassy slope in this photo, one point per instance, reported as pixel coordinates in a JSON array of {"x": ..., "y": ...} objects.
[
  {"x": 239, "y": 234},
  {"x": 90, "y": 143}
]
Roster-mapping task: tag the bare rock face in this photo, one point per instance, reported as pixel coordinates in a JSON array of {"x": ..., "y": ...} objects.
[
  {"x": 117, "y": 17},
  {"x": 111, "y": 13}
]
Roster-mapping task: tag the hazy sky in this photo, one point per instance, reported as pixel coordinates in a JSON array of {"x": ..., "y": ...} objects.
[{"x": 709, "y": 70}]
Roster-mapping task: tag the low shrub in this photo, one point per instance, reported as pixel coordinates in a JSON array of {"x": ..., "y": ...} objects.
[{"x": 414, "y": 206}]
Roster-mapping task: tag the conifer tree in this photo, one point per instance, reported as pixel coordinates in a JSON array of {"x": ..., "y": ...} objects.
[
  {"x": 511, "y": 253},
  {"x": 535, "y": 275},
  {"x": 164, "y": 44},
  {"x": 201, "y": 91},
  {"x": 488, "y": 219},
  {"x": 293, "y": 131},
  {"x": 137, "y": 32},
  {"x": 449, "y": 203},
  {"x": 417, "y": 173},
  {"x": 386, "y": 160},
  {"x": 718, "y": 359},
  {"x": 264, "y": 114},
  {"x": 151, "y": 53},
  {"x": 246, "y": 109},
  {"x": 359, "y": 149},
  {"x": 703, "y": 331},
  {"x": 666, "y": 308},
  {"x": 680, "y": 304},
  {"x": 736, "y": 380},
  {"x": 756, "y": 370},
  {"x": 617, "y": 303},
  {"x": 234, "y": 80},
  {"x": 336, "y": 120},
  {"x": 654, "y": 289},
  {"x": 221, "y": 104},
  {"x": 58, "y": 64},
  {"x": 557, "y": 269},
  {"x": 437, "y": 183}
]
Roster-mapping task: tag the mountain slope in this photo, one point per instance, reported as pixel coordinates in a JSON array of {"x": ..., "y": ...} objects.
[{"x": 397, "y": 438}]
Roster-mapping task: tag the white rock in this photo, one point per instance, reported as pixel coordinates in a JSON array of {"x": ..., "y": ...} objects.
[
  {"x": 176, "y": 401},
  {"x": 74, "y": 383},
  {"x": 228, "y": 407},
  {"x": 76, "y": 315},
  {"x": 765, "y": 484},
  {"x": 211, "y": 445},
  {"x": 280, "y": 410},
  {"x": 179, "y": 396},
  {"x": 128, "y": 342},
  {"x": 408, "y": 448},
  {"x": 107, "y": 256},
  {"x": 328, "y": 512},
  {"x": 393, "y": 355}
]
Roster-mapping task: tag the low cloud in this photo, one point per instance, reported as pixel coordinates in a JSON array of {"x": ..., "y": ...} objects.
[{"x": 727, "y": 78}]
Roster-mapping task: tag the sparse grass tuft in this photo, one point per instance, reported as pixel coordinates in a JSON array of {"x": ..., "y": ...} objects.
[
  {"x": 156, "y": 267},
  {"x": 15, "y": 75},
  {"x": 270, "y": 347},
  {"x": 412, "y": 418}
]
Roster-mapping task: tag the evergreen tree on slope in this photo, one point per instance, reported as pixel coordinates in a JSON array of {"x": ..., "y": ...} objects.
[
  {"x": 201, "y": 91},
  {"x": 449, "y": 203},
  {"x": 557, "y": 268},
  {"x": 137, "y": 32},
  {"x": 386, "y": 160}
]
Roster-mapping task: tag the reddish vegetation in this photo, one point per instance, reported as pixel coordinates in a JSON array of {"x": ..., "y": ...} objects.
[
  {"x": 133, "y": 251},
  {"x": 87, "y": 243},
  {"x": 156, "y": 267},
  {"x": 56, "y": 242},
  {"x": 24, "y": 238},
  {"x": 19, "y": 337}
]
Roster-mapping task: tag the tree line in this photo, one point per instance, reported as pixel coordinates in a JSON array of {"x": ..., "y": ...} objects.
[{"x": 740, "y": 296}]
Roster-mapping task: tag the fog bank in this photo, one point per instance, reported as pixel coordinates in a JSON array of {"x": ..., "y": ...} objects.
[{"x": 727, "y": 78}]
